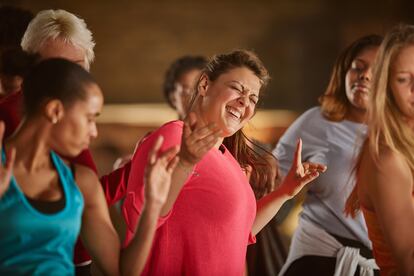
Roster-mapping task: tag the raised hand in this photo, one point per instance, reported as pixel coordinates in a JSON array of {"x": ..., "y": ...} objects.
[
  {"x": 300, "y": 173},
  {"x": 6, "y": 170},
  {"x": 158, "y": 173},
  {"x": 197, "y": 139}
]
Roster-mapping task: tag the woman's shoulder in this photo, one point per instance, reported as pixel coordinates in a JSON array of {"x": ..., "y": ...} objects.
[
  {"x": 167, "y": 130},
  {"x": 384, "y": 164},
  {"x": 310, "y": 122},
  {"x": 310, "y": 119},
  {"x": 86, "y": 179}
]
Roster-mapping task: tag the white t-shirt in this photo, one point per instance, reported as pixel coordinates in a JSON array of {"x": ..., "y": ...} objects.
[{"x": 337, "y": 145}]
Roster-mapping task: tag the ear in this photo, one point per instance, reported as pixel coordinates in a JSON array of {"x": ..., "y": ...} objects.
[
  {"x": 54, "y": 111},
  {"x": 203, "y": 85}
]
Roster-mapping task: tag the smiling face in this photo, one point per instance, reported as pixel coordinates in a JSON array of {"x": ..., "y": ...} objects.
[
  {"x": 77, "y": 126},
  {"x": 402, "y": 82},
  {"x": 230, "y": 100},
  {"x": 358, "y": 79}
]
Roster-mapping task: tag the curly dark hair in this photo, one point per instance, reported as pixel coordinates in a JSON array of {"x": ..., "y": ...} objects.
[{"x": 178, "y": 68}]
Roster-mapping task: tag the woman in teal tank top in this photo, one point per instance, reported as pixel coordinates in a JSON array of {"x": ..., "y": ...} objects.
[{"x": 44, "y": 204}]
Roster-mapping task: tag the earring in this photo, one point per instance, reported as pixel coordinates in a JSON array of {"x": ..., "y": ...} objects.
[{"x": 54, "y": 120}]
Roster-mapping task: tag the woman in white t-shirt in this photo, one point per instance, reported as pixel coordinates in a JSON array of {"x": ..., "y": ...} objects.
[{"x": 331, "y": 135}]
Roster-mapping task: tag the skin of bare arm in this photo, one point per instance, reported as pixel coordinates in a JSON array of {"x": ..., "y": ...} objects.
[
  {"x": 387, "y": 189},
  {"x": 298, "y": 176},
  {"x": 97, "y": 231}
]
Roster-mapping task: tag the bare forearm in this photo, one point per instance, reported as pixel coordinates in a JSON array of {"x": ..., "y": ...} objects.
[
  {"x": 104, "y": 246},
  {"x": 267, "y": 208},
  {"x": 134, "y": 257},
  {"x": 179, "y": 176}
]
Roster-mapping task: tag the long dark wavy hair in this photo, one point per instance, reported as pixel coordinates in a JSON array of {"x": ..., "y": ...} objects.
[{"x": 249, "y": 154}]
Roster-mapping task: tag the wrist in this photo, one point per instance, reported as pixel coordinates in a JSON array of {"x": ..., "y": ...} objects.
[
  {"x": 185, "y": 165},
  {"x": 153, "y": 206}
]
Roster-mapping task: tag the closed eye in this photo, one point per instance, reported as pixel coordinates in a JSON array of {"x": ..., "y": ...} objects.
[
  {"x": 238, "y": 89},
  {"x": 253, "y": 100}
]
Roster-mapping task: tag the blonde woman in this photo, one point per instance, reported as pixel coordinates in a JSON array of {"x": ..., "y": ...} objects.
[{"x": 384, "y": 189}]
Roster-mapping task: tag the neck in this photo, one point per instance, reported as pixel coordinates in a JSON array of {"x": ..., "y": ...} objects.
[
  {"x": 357, "y": 115},
  {"x": 32, "y": 151}
]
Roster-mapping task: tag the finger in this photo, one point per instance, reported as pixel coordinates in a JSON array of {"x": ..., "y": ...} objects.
[
  {"x": 298, "y": 153},
  {"x": 309, "y": 177},
  {"x": 152, "y": 156},
  {"x": 1, "y": 139},
  {"x": 172, "y": 164},
  {"x": 206, "y": 146},
  {"x": 192, "y": 120},
  {"x": 169, "y": 154},
  {"x": 314, "y": 167},
  {"x": 207, "y": 140},
  {"x": 202, "y": 133},
  {"x": 186, "y": 129}
]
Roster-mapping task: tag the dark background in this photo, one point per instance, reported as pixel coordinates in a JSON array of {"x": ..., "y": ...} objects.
[{"x": 297, "y": 40}]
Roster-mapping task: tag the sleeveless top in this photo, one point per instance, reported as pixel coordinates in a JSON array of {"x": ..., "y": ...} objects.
[
  {"x": 381, "y": 250},
  {"x": 35, "y": 243}
]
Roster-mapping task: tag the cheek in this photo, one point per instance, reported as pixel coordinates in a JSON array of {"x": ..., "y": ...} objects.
[
  {"x": 75, "y": 128},
  {"x": 349, "y": 79}
]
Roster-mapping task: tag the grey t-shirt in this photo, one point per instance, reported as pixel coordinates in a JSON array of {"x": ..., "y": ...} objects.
[{"x": 335, "y": 144}]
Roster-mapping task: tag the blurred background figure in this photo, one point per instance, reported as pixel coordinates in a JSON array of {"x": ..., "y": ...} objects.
[
  {"x": 14, "y": 66},
  {"x": 179, "y": 81},
  {"x": 13, "y": 24}
]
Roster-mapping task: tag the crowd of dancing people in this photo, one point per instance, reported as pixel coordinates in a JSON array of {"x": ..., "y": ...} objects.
[{"x": 196, "y": 191}]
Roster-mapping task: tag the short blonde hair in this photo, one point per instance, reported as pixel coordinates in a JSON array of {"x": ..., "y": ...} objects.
[{"x": 52, "y": 24}]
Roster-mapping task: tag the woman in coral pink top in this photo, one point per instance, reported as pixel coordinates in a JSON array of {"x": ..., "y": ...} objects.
[
  {"x": 211, "y": 213},
  {"x": 385, "y": 173}
]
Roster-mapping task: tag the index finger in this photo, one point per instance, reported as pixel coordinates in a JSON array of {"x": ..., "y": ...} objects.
[{"x": 298, "y": 153}]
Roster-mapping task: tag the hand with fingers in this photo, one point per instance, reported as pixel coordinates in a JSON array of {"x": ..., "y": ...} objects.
[
  {"x": 300, "y": 173},
  {"x": 158, "y": 173},
  {"x": 197, "y": 140},
  {"x": 6, "y": 170}
]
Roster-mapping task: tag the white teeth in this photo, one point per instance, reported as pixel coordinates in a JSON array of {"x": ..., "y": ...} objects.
[{"x": 236, "y": 113}]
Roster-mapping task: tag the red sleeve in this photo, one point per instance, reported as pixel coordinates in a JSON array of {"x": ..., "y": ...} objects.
[
  {"x": 115, "y": 184},
  {"x": 134, "y": 200}
]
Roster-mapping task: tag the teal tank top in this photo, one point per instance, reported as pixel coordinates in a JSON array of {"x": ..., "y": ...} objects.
[{"x": 34, "y": 243}]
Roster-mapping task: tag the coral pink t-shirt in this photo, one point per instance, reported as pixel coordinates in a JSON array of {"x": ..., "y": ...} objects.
[{"x": 209, "y": 227}]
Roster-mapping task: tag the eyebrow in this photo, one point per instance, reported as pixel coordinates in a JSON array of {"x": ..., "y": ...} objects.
[
  {"x": 360, "y": 60},
  {"x": 244, "y": 88}
]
